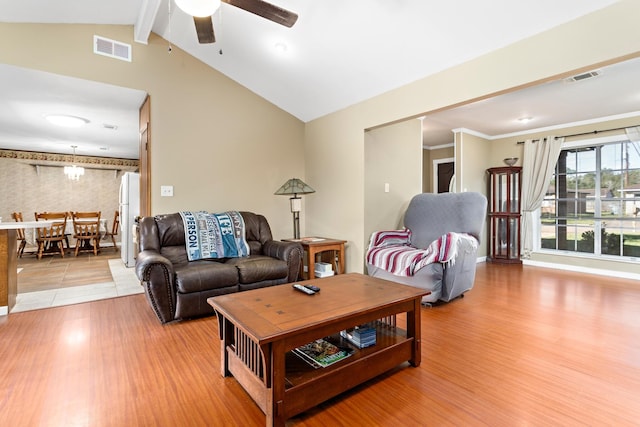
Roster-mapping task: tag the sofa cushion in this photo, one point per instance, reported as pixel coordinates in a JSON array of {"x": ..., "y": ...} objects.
[
  {"x": 198, "y": 276},
  {"x": 258, "y": 268},
  {"x": 170, "y": 229}
]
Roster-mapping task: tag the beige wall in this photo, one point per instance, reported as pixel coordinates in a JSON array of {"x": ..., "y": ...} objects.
[
  {"x": 46, "y": 188},
  {"x": 200, "y": 118},
  {"x": 472, "y": 160},
  {"x": 393, "y": 157},
  {"x": 509, "y": 147},
  {"x": 220, "y": 145},
  {"x": 609, "y": 33},
  {"x": 476, "y": 154},
  {"x": 426, "y": 171}
]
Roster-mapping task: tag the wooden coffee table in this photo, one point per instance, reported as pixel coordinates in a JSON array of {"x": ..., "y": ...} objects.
[{"x": 259, "y": 328}]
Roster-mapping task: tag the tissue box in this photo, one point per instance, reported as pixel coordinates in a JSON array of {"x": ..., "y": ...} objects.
[
  {"x": 321, "y": 274},
  {"x": 323, "y": 267}
]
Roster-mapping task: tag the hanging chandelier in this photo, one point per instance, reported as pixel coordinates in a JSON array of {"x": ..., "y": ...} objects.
[{"x": 74, "y": 172}]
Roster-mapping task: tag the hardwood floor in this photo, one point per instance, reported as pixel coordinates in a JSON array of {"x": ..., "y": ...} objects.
[
  {"x": 526, "y": 346},
  {"x": 56, "y": 281},
  {"x": 54, "y": 272}
]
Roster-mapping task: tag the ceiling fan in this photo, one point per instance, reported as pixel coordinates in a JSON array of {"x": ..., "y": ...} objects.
[{"x": 202, "y": 11}]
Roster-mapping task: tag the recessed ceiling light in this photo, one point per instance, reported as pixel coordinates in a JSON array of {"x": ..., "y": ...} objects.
[
  {"x": 281, "y": 47},
  {"x": 525, "y": 119},
  {"x": 66, "y": 120}
]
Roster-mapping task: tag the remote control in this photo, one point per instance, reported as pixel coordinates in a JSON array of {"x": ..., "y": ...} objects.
[
  {"x": 301, "y": 288},
  {"x": 313, "y": 288}
]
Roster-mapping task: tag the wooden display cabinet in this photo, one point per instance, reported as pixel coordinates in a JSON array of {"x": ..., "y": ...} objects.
[{"x": 504, "y": 214}]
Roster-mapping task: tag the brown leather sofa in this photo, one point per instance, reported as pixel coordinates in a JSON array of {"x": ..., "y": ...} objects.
[{"x": 178, "y": 289}]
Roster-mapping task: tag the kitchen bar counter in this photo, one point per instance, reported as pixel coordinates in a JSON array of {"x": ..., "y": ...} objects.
[{"x": 9, "y": 261}]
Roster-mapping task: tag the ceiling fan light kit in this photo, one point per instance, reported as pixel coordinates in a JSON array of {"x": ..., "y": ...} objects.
[
  {"x": 199, "y": 8},
  {"x": 202, "y": 11}
]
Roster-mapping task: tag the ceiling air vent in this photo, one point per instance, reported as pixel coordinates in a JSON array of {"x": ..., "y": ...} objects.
[
  {"x": 111, "y": 48},
  {"x": 583, "y": 76}
]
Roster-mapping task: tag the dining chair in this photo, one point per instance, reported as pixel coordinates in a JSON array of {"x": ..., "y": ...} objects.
[
  {"x": 17, "y": 217},
  {"x": 114, "y": 230},
  {"x": 54, "y": 234},
  {"x": 86, "y": 229}
]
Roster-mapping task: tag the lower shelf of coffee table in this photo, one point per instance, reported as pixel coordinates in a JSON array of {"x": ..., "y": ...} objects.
[
  {"x": 299, "y": 372},
  {"x": 312, "y": 386}
]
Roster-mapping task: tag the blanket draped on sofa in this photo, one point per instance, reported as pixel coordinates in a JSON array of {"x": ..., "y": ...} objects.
[
  {"x": 391, "y": 251},
  {"x": 214, "y": 235}
]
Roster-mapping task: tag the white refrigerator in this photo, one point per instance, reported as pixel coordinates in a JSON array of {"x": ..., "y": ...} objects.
[{"x": 129, "y": 206}]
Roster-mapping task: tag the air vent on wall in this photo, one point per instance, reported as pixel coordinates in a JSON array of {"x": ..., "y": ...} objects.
[
  {"x": 111, "y": 48},
  {"x": 583, "y": 76}
]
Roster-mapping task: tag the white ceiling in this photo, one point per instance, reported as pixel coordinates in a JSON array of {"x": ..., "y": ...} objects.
[
  {"x": 29, "y": 95},
  {"x": 338, "y": 54},
  {"x": 615, "y": 91}
]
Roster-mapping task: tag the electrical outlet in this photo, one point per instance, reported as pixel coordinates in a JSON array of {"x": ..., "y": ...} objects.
[{"x": 166, "y": 190}]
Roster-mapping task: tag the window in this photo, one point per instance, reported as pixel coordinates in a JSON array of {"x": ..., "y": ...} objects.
[{"x": 592, "y": 205}]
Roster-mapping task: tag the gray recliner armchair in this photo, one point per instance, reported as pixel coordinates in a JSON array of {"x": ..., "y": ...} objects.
[{"x": 438, "y": 248}]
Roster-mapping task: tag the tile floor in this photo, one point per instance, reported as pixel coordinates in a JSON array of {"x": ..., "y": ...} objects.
[{"x": 64, "y": 281}]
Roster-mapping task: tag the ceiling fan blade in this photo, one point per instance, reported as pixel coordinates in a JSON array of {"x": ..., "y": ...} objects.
[
  {"x": 266, "y": 10},
  {"x": 204, "y": 28}
]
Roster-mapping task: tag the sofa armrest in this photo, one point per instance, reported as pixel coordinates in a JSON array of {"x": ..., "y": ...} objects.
[
  {"x": 156, "y": 274},
  {"x": 290, "y": 252}
]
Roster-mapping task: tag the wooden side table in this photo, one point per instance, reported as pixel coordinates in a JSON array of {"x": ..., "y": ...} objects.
[{"x": 314, "y": 246}]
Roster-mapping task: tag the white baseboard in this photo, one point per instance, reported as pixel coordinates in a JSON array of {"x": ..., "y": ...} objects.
[{"x": 597, "y": 271}]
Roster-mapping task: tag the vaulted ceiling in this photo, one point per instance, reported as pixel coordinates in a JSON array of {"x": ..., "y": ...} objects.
[{"x": 339, "y": 52}]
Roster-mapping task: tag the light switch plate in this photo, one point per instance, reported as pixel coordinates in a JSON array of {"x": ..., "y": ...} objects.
[{"x": 166, "y": 190}]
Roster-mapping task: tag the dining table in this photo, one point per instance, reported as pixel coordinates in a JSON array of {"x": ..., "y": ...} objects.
[{"x": 30, "y": 234}]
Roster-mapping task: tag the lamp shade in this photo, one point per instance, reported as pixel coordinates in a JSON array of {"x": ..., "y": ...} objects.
[
  {"x": 199, "y": 8},
  {"x": 294, "y": 186}
]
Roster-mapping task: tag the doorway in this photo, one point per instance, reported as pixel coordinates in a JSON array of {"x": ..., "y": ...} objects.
[{"x": 443, "y": 175}]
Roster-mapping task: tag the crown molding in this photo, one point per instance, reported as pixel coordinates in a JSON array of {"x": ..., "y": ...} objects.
[
  {"x": 437, "y": 147},
  {"x": 54, "y": 159},
  {"x": 472, "y": 132}
]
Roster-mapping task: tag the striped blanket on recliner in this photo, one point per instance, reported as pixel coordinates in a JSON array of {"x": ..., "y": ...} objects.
[{"x": 392, "y": 251}]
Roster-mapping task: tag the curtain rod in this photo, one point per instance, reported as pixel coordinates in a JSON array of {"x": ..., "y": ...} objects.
[{"x": 595, "y": 132}]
